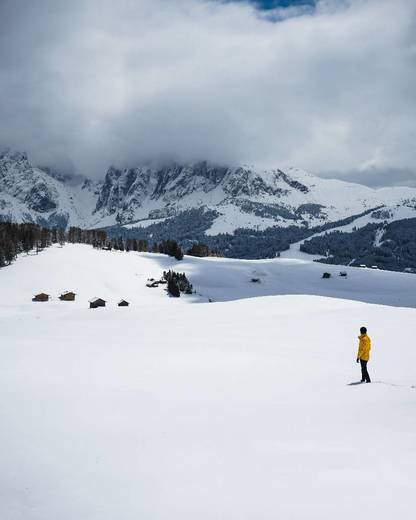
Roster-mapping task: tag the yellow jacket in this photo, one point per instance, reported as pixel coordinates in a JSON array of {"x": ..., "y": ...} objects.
[{"x": 364, "y": 347}]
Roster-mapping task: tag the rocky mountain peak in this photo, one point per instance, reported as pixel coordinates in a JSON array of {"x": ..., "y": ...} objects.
[{"x": 232, "y": 196}]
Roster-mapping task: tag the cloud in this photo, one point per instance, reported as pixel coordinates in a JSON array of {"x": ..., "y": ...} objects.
[
  {"x": 93, "y": 83},
  {"x": 375, "y": 177}
]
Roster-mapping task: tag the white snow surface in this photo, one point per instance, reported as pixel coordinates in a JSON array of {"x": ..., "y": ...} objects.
[
  {"x": 231, "y": 218},
  {"x": 145, "y": 223},
  {"x": 184, "y": 409}
]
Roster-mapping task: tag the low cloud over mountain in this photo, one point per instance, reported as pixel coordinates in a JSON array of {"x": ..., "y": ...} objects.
[{"x": 88, "y": 84}]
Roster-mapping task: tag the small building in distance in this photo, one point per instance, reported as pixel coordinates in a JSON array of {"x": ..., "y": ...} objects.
[
  {"x": 97, "y": 302},
  {"x": 67, "y": 296},
  {"x": 41, "y": 297},
  {"x": 326, "y": 275},
  {"x": 123, "y": 303}
]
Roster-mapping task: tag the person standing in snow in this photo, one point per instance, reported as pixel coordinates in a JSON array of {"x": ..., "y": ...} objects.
[{"x": 363, "y": 354}]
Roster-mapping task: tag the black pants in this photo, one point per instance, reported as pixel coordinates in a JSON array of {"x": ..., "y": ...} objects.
[{"x": 364, "y": 373}]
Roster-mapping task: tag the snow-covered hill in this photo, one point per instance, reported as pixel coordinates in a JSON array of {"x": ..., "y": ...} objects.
[
  {"x": 229, "y": 197},
  {"x": 184, "y": 409}
]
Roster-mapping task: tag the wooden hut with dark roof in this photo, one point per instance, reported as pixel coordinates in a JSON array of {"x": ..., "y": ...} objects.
[
  {"x": 123, "y": 303},
  {"x": 41, "y": 297},
  {"x": 97, "y": 302},
  {"x": 67, "y": 296}
]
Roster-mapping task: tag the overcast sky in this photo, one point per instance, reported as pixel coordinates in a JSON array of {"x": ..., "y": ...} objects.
[{"x": 327, "y": 86}]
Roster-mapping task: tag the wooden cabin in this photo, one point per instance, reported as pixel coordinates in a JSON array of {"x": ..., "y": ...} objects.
[
  {"x": 67, "y": 296},
  {"x": 326, "y": 275},
  {"x": 123, "y": 303},
  {"x": 97, "y": 302},
  {"x": 41, "y": 297},
  {"x": 152, "y": 284},
  {"x": 343, "y": 274}
]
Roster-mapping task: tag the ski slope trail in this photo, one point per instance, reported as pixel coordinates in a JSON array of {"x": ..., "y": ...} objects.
[{"x": 179, "y": 409}]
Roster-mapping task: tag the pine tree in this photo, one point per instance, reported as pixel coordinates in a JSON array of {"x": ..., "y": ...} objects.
[{"x": 173, "y": 288}]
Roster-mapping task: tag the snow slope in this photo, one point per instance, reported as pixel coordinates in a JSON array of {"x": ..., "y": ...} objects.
[{"x": 182, "y": 409}]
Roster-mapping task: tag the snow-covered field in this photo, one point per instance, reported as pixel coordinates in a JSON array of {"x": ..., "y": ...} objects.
[{"x": 182, "y": 409}]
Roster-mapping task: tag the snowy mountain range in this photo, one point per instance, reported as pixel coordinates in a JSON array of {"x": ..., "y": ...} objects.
[{"x": 232, "y": 197}]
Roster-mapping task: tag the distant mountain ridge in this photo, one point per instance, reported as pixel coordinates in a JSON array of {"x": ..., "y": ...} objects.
[
  {"x": 30, "y": 194},
  {"x": 232, "y": 197}
]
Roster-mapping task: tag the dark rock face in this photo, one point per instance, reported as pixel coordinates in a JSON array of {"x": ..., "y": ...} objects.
[
  {"x": 40, "y": 199},
  {"x": 292, "y": 183},
  {"x": 15, "y": 160},
  {"x": 119, "y": 187},
  {"x": 30, "y": 194},
  {"x": 125, "y": 189},
  {"x": 246, "y": 182},
  {"x": 129, "y": 187}
]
